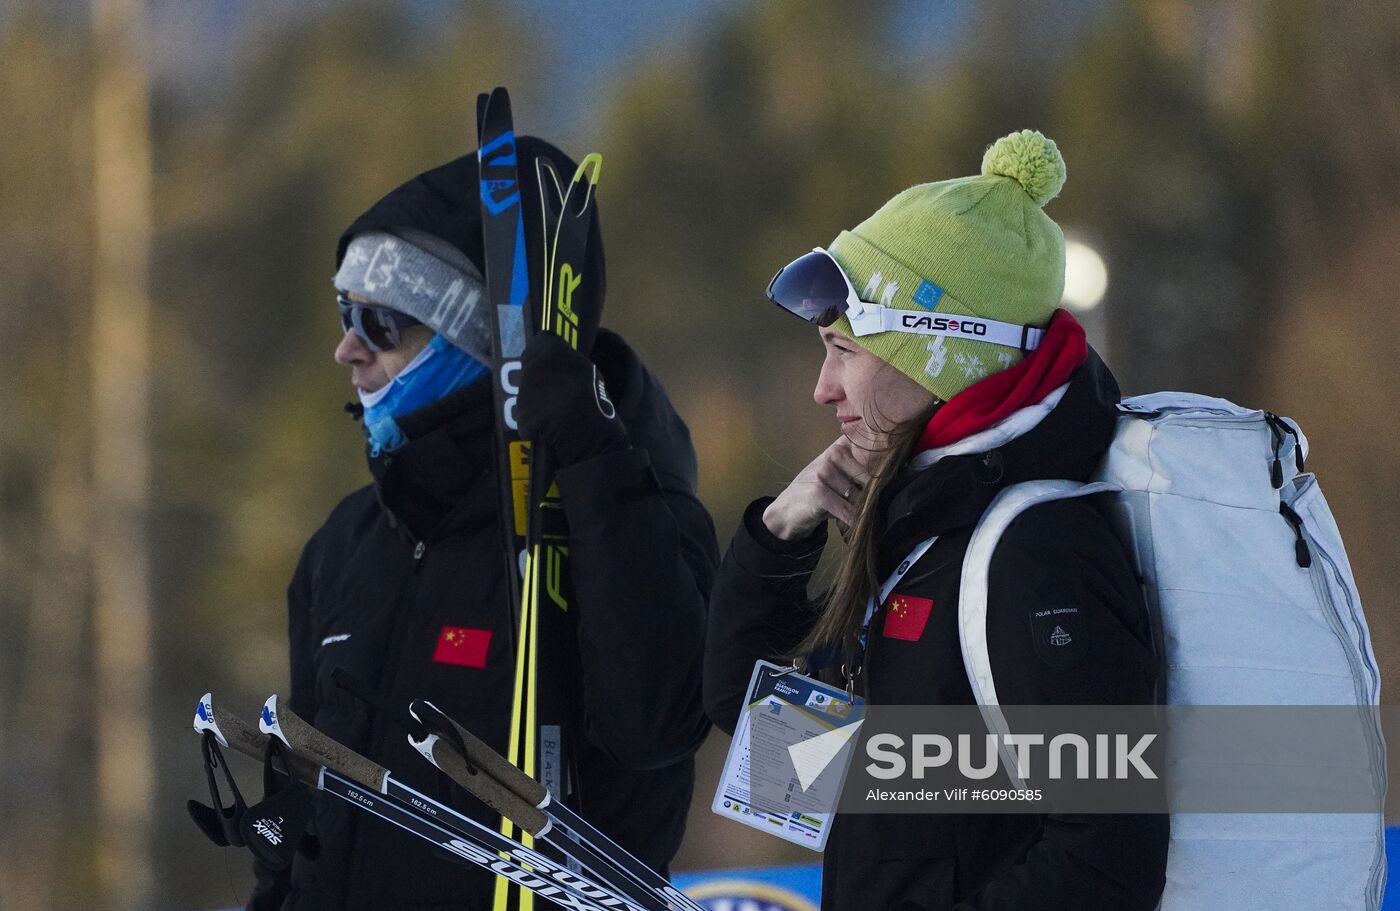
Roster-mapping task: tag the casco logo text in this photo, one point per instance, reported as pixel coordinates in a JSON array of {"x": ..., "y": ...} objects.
[{"x": 942, "y": 324}]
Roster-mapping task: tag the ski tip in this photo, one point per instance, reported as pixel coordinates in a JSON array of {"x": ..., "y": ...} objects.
[
  {"x": 491, "y": 105},
  {"x": 204, "y": 719},
  {"x": 498, "y": 100},
  {"x": 590, "y": 168},
  {"x": 267, "y": 720},
  {"x": 548, "y": 178}
]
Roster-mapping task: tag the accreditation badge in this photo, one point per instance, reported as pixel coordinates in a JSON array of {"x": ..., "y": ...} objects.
[{"x": 787, "y": 763}]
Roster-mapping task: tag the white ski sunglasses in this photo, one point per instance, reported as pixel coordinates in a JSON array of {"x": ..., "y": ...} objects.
[{"x": 816, "y": 288}]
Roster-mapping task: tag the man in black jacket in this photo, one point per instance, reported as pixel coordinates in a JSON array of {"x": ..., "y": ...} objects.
[{"x": 404, "y": 586}]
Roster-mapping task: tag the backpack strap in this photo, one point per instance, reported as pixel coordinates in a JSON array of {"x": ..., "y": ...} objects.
[{"x": 972, "y": 595}]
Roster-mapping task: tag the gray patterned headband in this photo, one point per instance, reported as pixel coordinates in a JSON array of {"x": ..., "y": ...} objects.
[{"x": 424, "y": 277}]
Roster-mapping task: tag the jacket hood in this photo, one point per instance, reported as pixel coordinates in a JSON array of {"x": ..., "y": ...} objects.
[{"x": 446, "y": 203}]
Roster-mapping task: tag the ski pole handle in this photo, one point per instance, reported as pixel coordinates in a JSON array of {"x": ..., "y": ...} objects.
[
  {"x": 482, "y": 756},
  {"x": 281, "y": 722},
  {"x": 481, "y": 785},
  {"x": 241, "y": 735},
  {"x": 234, "y": 732}
]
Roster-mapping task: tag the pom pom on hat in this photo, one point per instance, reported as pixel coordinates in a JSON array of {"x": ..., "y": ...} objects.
[{"x": 1030, "y": 159}]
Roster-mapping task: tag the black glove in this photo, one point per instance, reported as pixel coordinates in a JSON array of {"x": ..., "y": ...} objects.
[{"x": 563, "y": 403}]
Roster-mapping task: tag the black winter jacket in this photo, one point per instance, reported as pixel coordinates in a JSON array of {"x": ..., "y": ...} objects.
[
  {"x": 1056, "y": 554},
  {"x": 419, "y": 550}
]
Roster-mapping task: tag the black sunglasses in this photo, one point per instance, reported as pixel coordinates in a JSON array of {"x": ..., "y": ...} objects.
[{"x": 380, "y": 328}]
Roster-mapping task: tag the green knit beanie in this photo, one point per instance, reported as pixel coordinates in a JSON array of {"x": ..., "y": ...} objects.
[{"x": 973, "y": 246}]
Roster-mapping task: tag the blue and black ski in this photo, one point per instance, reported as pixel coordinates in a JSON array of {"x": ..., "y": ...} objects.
[{"x": 545, "y": 707}]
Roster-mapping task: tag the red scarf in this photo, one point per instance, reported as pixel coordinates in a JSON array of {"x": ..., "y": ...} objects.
[{"x": 995, "y": 398}]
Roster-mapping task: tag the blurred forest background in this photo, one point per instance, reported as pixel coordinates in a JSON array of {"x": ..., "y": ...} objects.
[{"x": 173, "y": 177}]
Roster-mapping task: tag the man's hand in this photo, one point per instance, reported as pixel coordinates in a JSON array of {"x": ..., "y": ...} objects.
[
  {"x": 827, "y": 488},
  {"x": 563, "y": 403}
]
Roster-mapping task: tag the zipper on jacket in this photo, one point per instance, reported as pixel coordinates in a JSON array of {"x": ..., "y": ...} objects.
[
  {"x": 1300, "y": 546},
  {"x": 1377, "y": 739},
  {"x": 1276, "y": 467},
  {"x": 990, "y": 467},
  {"x": 1364, "y": 676},
  {"x": 1297, "y": 443},
  {"x": 379, "y": 726},
  {"x": 1278, "y": 427}
]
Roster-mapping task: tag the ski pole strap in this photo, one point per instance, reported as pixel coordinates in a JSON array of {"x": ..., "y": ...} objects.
[
  {"x": 213, "y": 759},
  {"x": 433, "y": 721},
  {"x": 274, "y": 828},
  {"x": 277, "y": 767},
  {"x": 219, "y": 823},
  {"x": 477, "y": 753}
]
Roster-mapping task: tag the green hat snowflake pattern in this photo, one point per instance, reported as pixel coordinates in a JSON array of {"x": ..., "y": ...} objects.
[{"x": 972, "y": 246}]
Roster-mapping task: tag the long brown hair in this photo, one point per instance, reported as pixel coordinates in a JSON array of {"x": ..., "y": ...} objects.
[{"x": 838, "y": 625}]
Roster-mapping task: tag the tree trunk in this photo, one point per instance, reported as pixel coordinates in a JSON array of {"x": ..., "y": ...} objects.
[{"x": 121, "y": 459}]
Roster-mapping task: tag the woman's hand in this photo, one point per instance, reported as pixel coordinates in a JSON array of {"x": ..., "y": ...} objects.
[{"x": 827, "y": 488}]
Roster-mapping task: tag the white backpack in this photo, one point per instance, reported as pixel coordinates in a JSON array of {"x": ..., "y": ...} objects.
[{"x": 1196, "y": 488}]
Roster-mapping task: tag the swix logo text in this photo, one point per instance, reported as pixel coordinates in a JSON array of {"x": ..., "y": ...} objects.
[
  {"x": 270, "y": 829},
  {"x": 942, "y": 324},
  {"x": 545, "y": 874}
]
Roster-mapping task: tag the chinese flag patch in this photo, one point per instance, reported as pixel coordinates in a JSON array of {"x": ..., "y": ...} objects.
[
  {"x": 465, "y": 647},
  {"x": 906, "y": 617}
]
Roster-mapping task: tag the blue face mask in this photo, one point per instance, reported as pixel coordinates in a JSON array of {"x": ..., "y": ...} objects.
[{"x": 439, "y": 370}]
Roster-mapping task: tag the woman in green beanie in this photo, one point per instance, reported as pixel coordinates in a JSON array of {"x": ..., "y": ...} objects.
[{"x": 952, "y": 374}]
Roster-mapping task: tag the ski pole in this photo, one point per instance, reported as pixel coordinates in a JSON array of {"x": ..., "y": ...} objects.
[
  {"x": 302, "y": 737},
  {"x": 456, "y": 751},
  {"x": 503, "y": 857}
]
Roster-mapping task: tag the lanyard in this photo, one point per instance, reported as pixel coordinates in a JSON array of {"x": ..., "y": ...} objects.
[{"x": 914, "y": 556}]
